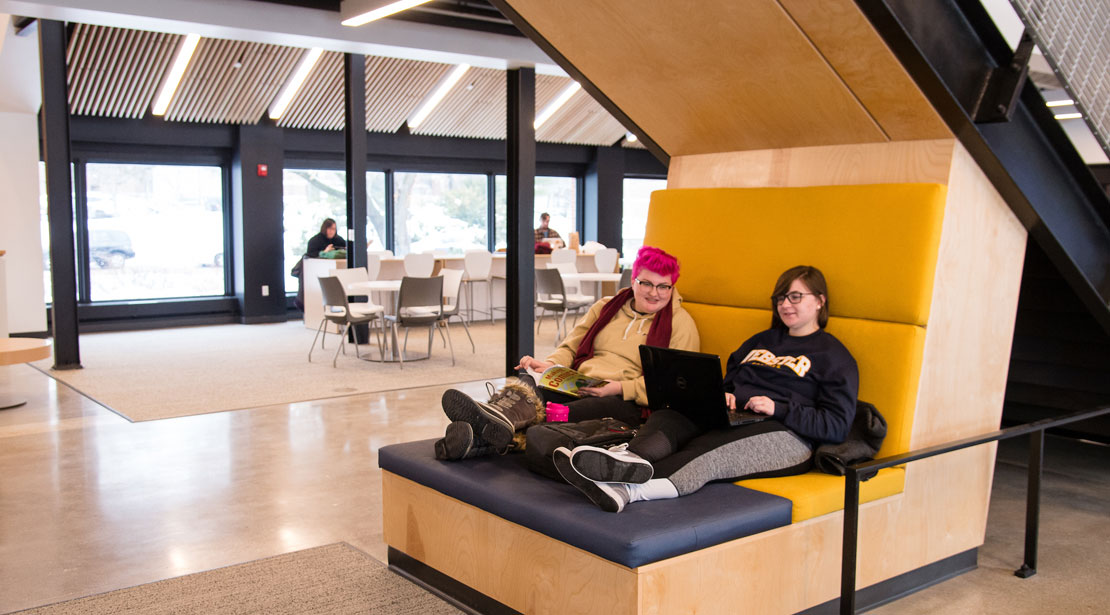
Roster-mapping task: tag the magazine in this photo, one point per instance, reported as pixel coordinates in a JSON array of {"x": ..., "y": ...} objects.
[{"x": 564, "y": 380}]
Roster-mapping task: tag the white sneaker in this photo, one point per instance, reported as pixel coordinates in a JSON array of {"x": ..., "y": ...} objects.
[
  {"x": 610, "y": 497},
  {"x": 613, "y": 465}
]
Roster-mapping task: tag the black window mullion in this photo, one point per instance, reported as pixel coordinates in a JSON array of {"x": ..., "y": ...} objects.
[
  {"x": 229, "y": 271},
  {"x": 491, "y": 211},
  {"x": 389, "y": 209},
  {"x": 81, "y": 234}
]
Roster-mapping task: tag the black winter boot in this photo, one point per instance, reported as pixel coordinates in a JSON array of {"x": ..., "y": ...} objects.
[
  {"x": 458, "y": 442},
  {"x": 514, "y": 407}
]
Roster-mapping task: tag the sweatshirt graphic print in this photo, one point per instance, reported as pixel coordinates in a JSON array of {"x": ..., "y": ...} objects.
[{"x": 812, "y": 379}]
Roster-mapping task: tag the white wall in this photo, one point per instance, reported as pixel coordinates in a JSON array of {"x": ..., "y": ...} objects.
[{"x": 19, "y": 181}]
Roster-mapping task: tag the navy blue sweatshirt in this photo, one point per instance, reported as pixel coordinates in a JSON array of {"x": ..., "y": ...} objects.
[{"x": 812, "y": 379}]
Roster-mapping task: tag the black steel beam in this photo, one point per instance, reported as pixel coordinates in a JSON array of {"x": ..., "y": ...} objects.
[
  {"x": 354, "y": 108},
  {"x": 950, "y": 48},
  {"x": 604, "y": 197},
  {"x": 520, "y": 202},
  {"x": 59, "y": 204}
]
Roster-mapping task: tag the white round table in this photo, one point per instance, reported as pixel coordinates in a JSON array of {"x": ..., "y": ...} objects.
[{"x": 20, "y": 350}]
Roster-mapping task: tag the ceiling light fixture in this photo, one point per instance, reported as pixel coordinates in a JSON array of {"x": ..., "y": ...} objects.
[
  {"x": 177, "y": 70},
  {"x": 631, "y": 138},
  {"x": 1059, "y": 103},
  {"x": 437, "y": 95},
  {"x": 289, "y": 92},
  {"x": 365, "y": 11},
  {"x": 1068, "y": 116},
  {"x": 556, "y": 104}
]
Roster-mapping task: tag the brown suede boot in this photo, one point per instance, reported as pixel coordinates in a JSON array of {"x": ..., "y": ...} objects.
[{"x": 513, "y": 408}]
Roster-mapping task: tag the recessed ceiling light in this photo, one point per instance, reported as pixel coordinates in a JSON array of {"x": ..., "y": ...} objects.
[
  {"x": 1068, "y": 116},
  {"x": 437, "y": 95},
  {"x": 556, "y": 104},
  {"x": 177, "y": 70},
  {"x": 1059, "y": 103},
  {"x": 372, "y": 10},
  {"x": 304, "y": 67}
]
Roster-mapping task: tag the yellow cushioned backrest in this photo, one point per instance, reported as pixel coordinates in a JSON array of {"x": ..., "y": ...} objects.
[
  {"x": 876, "y": 244},
  {"x": 888, "y": 355}
]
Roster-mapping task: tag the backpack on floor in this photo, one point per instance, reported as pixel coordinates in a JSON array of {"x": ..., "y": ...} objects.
[{"x": 544, "y": 438}]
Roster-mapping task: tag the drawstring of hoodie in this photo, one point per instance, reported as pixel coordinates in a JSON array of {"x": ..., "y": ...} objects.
[{"x": 639, "y": 328}]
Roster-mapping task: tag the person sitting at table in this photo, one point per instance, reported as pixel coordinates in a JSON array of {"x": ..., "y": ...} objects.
[
  {"x": 604, "y": 344},
  {"x": 544, "y": 231},
  {"x": 796, "y": 373},
  {"x": 327, "y": 240}
]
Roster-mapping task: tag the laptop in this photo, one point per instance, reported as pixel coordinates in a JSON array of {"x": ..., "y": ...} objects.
[{"x": 691, "y": 383}]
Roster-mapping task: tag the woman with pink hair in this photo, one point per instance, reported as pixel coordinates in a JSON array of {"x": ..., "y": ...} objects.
[{"x": 604, "y": 344}]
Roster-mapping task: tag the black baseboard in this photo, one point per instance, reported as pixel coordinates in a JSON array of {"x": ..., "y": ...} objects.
[
  {"x": 463, "y": 597},
  {"x": 905, "y": 584},
  {"x": 876, "y": 595},
  {"x": 260, "y": 320}
]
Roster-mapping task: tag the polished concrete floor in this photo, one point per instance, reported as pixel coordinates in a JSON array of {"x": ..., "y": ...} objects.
[{"x": 90, "y": 502}]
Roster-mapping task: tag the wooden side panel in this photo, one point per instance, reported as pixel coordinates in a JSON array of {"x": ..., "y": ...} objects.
[
  {"x": 877, "y": 163},
  {"x": 859, "y": 55},
  {"x": 721, "y": 76},
  {"x": 509, "y": 563},
  {"x": 971, "y": 323}
]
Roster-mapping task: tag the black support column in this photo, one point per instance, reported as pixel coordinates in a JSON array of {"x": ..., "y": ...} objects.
[
  {"x": 59, "y": 204},
  {"x": 520, "y": 202},
  {"x": 605, "y": 197},
  {"x": 257, "y": 224},
  {"x": 354, "y": 106}
]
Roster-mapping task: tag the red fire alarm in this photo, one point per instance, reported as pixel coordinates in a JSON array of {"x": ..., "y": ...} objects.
[{"x": 262, "y": 170}]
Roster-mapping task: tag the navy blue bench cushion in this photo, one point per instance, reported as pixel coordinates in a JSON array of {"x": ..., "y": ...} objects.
[{"x": 645, "y": 532}]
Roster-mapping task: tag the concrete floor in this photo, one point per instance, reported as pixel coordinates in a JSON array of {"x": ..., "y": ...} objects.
[{"x": 90, "y": 502}]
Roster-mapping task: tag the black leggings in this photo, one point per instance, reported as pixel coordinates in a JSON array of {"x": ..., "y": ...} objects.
[{"x": 586, "y": 408}]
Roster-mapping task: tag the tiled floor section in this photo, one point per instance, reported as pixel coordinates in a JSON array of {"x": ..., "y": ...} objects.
[{"x": 90, "y": 502}]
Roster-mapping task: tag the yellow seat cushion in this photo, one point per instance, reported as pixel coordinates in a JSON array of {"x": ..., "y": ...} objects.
[
  {"x": 876, "y": 244},
  {"x": 816, "y": 493}
]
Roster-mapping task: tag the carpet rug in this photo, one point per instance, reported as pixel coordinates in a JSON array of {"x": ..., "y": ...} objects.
[
  {"x": 166, "y": 373},
  {"x": 335, "y": 579}
]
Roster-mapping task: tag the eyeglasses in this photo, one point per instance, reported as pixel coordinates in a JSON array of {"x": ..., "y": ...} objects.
[
  {"x": 794, "y": 297},
  {"x": 663, "y": 288}
]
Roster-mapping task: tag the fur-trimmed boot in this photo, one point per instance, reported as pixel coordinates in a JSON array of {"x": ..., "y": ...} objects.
[
  {"x": 458, "y": 442},
  {"x": 513, "y": 408}
]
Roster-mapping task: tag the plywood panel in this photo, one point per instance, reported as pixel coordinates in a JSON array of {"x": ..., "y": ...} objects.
[
  {"x": 858, "y": 54},
  {"x": 723, "y": 76},
  {"x": 877, "y": 163},
  {"x": 514, "y": 565},
  {"x": 971, "y": 323}
]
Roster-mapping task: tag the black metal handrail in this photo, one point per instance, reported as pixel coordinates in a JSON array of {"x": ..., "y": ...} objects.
[{"x": 862, "y": 471}]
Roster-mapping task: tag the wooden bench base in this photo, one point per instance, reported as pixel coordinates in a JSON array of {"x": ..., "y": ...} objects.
[{"x": 941, "y": 514}]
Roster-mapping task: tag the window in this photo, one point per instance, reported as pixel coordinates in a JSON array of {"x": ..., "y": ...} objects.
[
  {"x": 445, "y": 212},
  {"x": 557, "y": 196},
  {"x": 375, "y": 210},
  {"x": 155, "y": 231},
  {"x": 637, "y": 195},
  {"x": 310, "y": 197}
]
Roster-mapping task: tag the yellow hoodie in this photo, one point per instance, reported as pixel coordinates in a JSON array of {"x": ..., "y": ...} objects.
[{"x": 617, "y": 346}]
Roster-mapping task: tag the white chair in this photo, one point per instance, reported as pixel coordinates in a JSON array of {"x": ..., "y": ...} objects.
[
  {"x": 419, "y": 304},
  {"x": 339, "y": 311},
  {"x": 606, "y": 260},
  {"x": 478, "y": 267},
  {"x": 381, "y": 253},
  {"x": 452, "y": 283},
  {"x": 564, "y": 255},
  {"x": 373, "y": 265},
  {"x": 419, "y": 264},
  {"x": 591, "y": 247}
]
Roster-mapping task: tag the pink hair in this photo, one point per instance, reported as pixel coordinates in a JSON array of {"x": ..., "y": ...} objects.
[{"x": 657, "y": 261}]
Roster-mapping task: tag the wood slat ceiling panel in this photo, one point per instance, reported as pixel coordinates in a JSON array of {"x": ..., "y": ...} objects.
[
  {"x": 583, "y": 121},
  {"x": 395, "y": 87},
  {"x": 547, "y": 88},
  {"x": 232, "y": 81},
  {"x": 474, "y": 108},
  {"x": 319, "y": 104},
  {"x": 113, "y": 72}
]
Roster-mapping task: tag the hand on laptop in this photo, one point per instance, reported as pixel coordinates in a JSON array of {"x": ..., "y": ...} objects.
[
  {"x": 730, "y": 399},
  {"x": 761, "y": 404}
]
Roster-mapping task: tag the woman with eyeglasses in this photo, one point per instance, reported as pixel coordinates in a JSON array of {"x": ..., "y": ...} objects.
[
  {"x": 796, "y": 373},
  {"x": 604, "y": 344}
]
